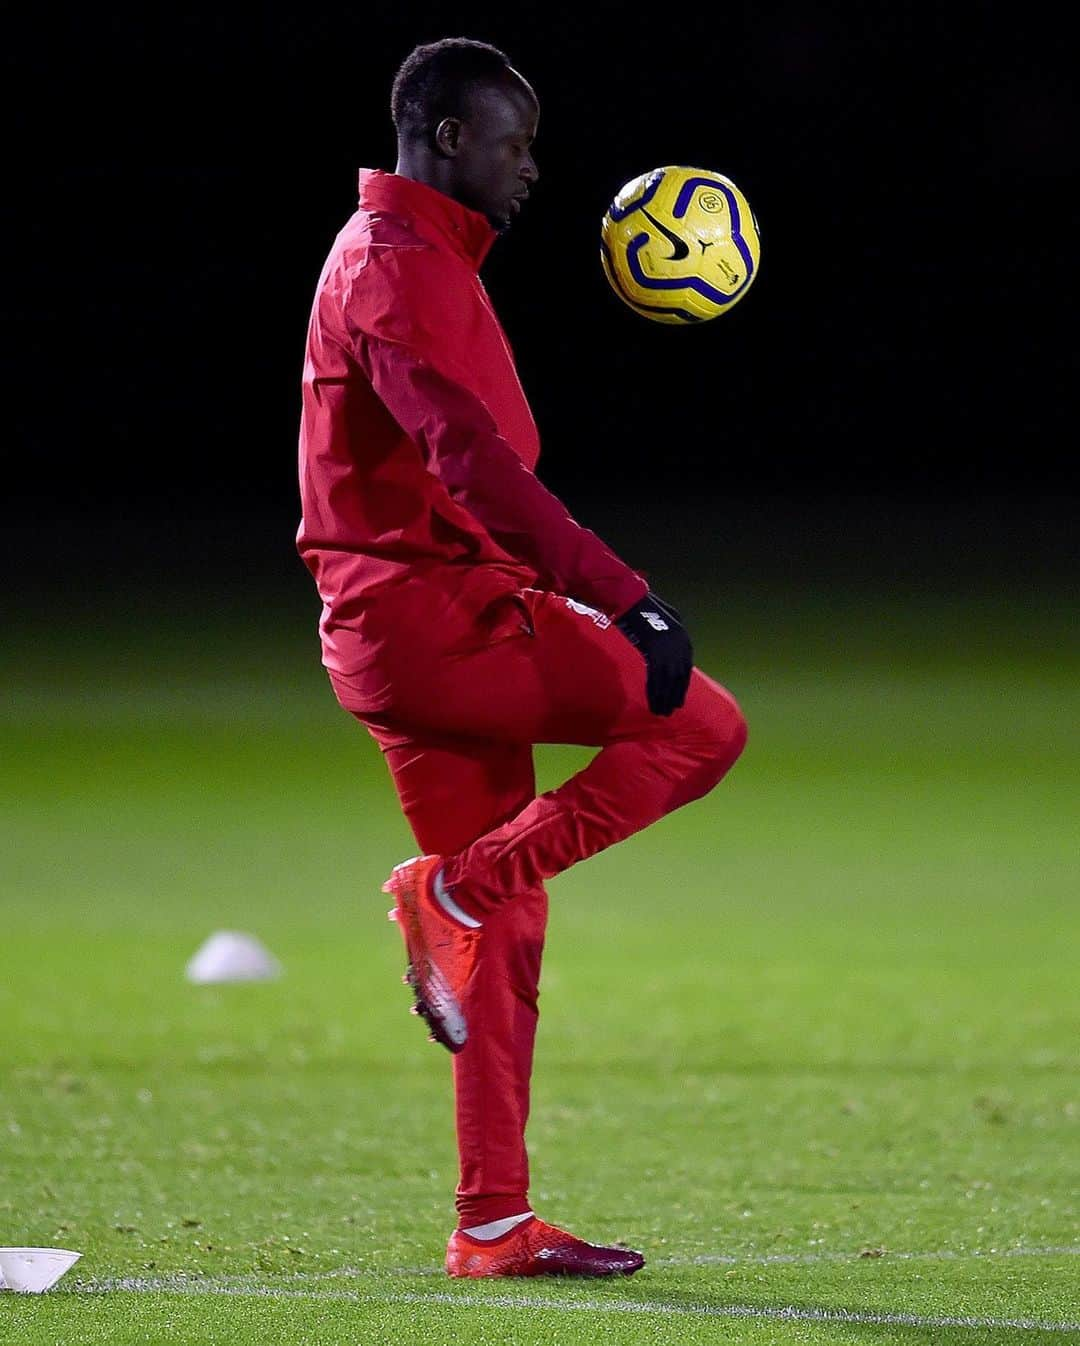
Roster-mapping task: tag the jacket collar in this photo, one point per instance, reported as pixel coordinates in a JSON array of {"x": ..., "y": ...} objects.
[{"x": 438, "y": 217}]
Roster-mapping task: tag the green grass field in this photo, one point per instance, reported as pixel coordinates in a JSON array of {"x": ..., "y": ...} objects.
[{"x": 812, "y": 1044}]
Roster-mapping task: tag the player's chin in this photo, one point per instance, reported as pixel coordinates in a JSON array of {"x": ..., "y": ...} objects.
[{"x": 506, "y": 214}]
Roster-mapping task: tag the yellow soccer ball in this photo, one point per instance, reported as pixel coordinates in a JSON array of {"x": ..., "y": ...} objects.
[{"x": 680, "y": 245}]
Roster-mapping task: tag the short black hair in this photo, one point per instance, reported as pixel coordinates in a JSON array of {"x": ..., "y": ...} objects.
[{"x": 436, "y": 80}]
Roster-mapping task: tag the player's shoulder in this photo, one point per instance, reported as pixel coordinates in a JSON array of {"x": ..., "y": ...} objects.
[
  {"x": 390, "y": 243},
  {"x": 388, "y": 278}
]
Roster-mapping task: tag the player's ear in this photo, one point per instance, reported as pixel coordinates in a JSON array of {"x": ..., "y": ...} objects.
[{"x": 448, "y": 136}]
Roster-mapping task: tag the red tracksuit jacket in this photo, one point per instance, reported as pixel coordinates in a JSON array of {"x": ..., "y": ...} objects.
[{"x": 417, "y": 445}]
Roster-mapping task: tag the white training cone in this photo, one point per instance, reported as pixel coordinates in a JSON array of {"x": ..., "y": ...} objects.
[
  {"x": 31, "y": 1271},
  {"x": 230, "y": 955}
]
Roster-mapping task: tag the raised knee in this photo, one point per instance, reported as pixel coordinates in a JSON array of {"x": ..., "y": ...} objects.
[
  {"x": 729, "y": 733},
  {"x": 719, "y": 737}
]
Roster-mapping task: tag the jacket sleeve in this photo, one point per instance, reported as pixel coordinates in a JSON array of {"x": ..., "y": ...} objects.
[{"x": 462, "y": 446}]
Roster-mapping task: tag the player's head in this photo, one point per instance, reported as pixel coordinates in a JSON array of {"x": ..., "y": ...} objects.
[{"x": 465, "y": 122}]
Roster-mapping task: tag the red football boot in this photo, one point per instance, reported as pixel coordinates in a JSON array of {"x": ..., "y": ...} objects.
[
  {"x": 441, "y": 951},
  {"x": 534, "y": 1248}
]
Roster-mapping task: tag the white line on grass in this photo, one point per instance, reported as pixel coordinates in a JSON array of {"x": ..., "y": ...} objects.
[
  {"x": 885, "y": 1254},
  {"x": 193, "y": 1286}
]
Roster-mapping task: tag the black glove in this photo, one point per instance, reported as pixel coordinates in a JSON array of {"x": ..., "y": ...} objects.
[{"x": 657, "y": 631}]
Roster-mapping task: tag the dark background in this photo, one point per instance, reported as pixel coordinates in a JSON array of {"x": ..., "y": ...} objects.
[{"x": 894, "y": 394}]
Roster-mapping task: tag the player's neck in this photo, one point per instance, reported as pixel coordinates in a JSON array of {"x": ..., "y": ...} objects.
[{"x": 425, "y": 168}]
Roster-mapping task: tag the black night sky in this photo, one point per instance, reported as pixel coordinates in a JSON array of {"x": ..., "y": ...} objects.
[{"x": 177, "y": 176}]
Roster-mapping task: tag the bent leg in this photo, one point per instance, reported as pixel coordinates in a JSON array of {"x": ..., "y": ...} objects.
[
  {"x": 569, "y": 676},
  {"x": 629, "y": 784}
]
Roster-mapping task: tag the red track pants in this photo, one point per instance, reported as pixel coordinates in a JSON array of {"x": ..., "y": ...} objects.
[{"x": 467, "y": 702}]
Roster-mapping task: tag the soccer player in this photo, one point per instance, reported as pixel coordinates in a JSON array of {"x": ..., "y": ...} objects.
[{"x": 466, "y": 616}]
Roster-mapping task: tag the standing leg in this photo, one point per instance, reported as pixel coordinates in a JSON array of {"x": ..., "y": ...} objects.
[{"x": 451, "y": 795}]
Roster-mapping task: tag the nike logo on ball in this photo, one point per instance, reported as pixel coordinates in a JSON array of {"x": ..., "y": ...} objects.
[{"x": 681, "y": 249}]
